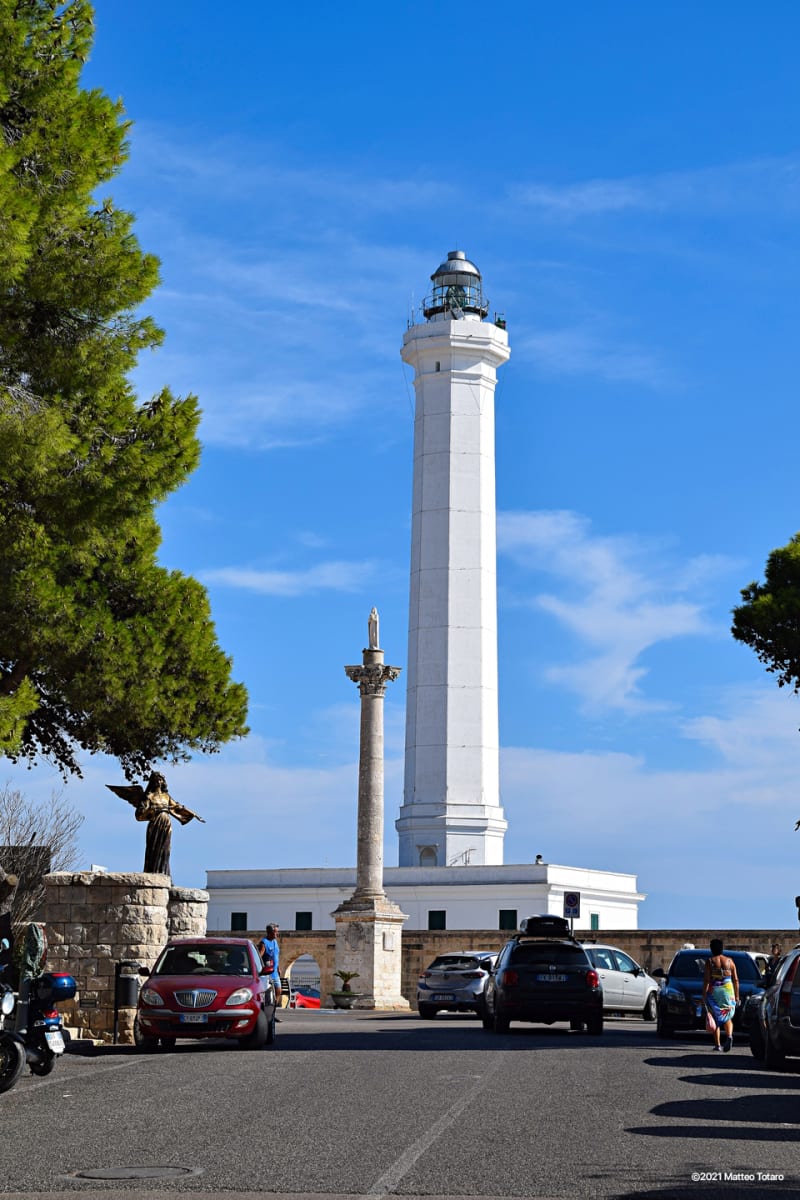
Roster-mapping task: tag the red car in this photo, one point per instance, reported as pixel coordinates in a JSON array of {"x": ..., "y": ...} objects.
[{"x": 206, "y": 988}]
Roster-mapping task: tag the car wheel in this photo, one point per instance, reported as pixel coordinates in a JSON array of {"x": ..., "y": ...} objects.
[
  {"x": 427, "y": 1011},
  {"x": 487, "y": 1020},
  {"x": 595, "y": 1024},
  {"x": 501, "y": 1021},
  {"x": 141, "y": 1041},
  {"x": 168, "y": 1043},
  {"x": 755, "y": 1037},
  {"x": 259, "y": 1035},
  {"x": 662, "y": 1029},
  {"x": 577, "y": 1026},
  {"x": 650, "y": 1009},
  {"x": 774, "y": 1058},
  {"x": 12, "y": 1060}
]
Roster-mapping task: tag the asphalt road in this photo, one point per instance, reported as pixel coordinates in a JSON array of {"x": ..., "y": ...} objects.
[{"x": 366, "y": 1104}]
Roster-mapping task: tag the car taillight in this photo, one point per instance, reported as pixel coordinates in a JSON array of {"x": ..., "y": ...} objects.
[
  {"x": 592, "y": 979},
  {"x": 786, "y": 989},
  {"x": 510, "y": 978},
  {"x": 473, "y": 975},
  {"x": 426, "y": 974}
]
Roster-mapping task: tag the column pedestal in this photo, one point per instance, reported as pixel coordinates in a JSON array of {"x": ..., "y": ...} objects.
[{"x": 368, "y": 940}]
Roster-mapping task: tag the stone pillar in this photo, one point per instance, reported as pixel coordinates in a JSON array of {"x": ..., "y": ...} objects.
[
  {"x": 93, "y": 921},
  {"x": 187, "y": 913},
  {"x": 369, "y": 925}
]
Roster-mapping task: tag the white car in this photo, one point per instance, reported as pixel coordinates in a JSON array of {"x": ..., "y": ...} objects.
[{"x": 627, "y": 988}]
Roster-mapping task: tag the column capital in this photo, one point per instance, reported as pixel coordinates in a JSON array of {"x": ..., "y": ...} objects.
[{"x": 372, "y": 678}]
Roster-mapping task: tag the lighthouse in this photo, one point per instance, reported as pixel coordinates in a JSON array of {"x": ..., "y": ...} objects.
[{"x": 451, "y": 811}]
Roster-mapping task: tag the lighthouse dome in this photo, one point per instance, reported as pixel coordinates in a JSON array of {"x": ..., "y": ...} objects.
[{"x": 457, "y": 290}]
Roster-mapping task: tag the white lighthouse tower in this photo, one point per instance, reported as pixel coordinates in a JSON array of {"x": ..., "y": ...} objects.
[{"x": 451, "y": 811}]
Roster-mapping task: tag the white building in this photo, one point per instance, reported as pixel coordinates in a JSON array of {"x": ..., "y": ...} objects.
[
  {"x": 482, "y": 897},
  {"x": 451, "y": 824}
]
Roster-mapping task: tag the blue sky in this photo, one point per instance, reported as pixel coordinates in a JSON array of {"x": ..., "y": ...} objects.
[{"x": 627, "y": 178}]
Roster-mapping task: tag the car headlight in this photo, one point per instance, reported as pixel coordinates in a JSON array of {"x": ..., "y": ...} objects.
[
  {"x": 7, "y": 1004},
  {"x": 240, "y": 996},
  {"x": 673, "y": 993},
  {"x": 150, "y": 996}
]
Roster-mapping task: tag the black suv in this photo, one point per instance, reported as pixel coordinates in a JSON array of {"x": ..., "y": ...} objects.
[
  {"x": 543, "y": 974},
  {"x": 773, "y": 1018}
]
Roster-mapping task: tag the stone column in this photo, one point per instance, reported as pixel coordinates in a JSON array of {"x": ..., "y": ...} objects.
[
  {"x": 369, "y": 925},
  {"x": 372, "y": 678}
]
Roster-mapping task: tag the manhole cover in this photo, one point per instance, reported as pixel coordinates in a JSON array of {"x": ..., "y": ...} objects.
[{"x": 136, "y": 1173}]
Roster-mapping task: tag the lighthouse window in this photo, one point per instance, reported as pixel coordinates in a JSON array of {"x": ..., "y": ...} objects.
[
  {"x": 438, "y": 366},
  {"x": 437, "y": 918}
]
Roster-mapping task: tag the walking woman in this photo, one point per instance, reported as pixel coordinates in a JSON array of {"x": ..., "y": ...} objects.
[{"x": 721, "y": 994}]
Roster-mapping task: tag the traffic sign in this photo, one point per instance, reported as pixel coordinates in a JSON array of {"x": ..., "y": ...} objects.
[{"x": 572, "y": 904}]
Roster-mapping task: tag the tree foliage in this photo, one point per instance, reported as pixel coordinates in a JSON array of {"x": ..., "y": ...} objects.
[
  {"x": 769, "y": 619},
  {"x": 101, "y": 649},
  {"x": 35, "y": 839}
]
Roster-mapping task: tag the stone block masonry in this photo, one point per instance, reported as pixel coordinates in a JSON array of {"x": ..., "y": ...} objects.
[{"x": 95, "y": 921}]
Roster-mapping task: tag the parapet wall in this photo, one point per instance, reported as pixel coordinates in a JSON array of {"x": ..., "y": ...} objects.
[
  {"x": 95, "y": 921},
  {"x": 651, "y": 947}
]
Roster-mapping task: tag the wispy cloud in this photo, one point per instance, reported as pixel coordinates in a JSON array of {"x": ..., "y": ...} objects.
[
  {"x": 582, "y": 351},
  {"x": 618, "y": 597},
  {"x": 323, "y": 577},
  {"x": 764, "y": 184}
]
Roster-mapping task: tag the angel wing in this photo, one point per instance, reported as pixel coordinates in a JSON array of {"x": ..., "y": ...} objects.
[{"x": 131, "y": 792}]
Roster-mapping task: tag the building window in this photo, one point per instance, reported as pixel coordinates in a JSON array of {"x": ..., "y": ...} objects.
[
  {"x": 437, "y": 918},
  {"x": 508, "y": 918},
  {"x": 302, "y": 921},
  {"x": 595, "y": 920},
  {"x": 238, "y": 922},
  {"x": 427, "y": 856}
]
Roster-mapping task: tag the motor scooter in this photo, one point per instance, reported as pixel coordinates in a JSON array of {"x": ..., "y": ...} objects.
[{"x": 31, "y": 1030}]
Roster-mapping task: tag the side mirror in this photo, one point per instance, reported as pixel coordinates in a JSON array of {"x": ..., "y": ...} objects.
[
  {"x": 658, "y": 973},
  {"x": 144, "y": 971}
]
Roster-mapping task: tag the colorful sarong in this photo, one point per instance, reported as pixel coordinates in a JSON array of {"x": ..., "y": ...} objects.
[{"x": 721, "y": 999}]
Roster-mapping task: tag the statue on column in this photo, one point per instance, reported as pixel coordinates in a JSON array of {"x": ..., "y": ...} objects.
[
  {"x": 155, "y": 806},
  {"x": 373, "y": 628}
]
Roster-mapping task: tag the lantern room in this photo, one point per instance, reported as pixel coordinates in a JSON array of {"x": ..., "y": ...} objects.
[{"x": 457, "y": 291}]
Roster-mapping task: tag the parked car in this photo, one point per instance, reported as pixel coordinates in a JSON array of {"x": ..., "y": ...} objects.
[
  {"x": 627, "y": 988},
  {"x": 543, "y": 974},
  {"x": 206, "y": 988},
  {"x": 773, "y": 1016},
  {"x": 454, "y": 982},
  {"x": 680, "y": 1000}
]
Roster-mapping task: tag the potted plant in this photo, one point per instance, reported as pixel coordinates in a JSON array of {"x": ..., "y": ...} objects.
[{"x": 345, "y": 997}]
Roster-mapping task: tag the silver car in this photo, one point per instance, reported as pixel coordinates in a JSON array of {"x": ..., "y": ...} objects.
[
  {"x": 627, "y": 988},
  {"x": 454, "y": 982}
]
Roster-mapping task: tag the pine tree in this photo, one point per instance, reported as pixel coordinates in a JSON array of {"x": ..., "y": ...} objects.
[{"x": 101, "y": 649}]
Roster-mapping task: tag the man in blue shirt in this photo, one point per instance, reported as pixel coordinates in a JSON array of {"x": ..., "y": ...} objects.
[{"x": 270, "y": 953}]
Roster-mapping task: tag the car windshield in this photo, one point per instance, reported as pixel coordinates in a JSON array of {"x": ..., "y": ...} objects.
[
  {"x": 203, "y": 960},
  {"x": 534, "y": 953},
  {"x": 455, "y": 962}
]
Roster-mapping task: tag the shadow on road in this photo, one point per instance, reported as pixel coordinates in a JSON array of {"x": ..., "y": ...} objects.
[{"x": 370, "y": 1032}]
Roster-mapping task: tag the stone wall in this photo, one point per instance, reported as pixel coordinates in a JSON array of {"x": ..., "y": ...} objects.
[
  {"x": 95, "y": 921},
  {"x": 651, "y": 947}
]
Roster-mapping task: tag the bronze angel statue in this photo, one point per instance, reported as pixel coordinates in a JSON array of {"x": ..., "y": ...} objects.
[{"x": 155, "y": 805}]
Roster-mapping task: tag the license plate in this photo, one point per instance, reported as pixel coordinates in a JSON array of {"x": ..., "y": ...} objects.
[
  {"x": 194, "y": 1018},
  {"x": 443, "y": 997},
  {"x": 551, "y": 978},
  {"x": 55, "y": 1041}
]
